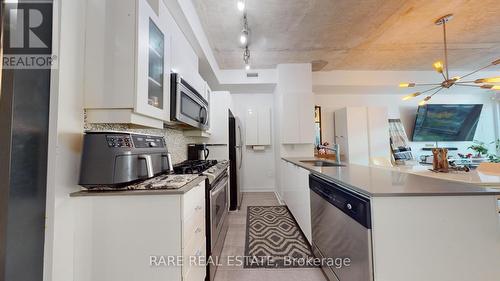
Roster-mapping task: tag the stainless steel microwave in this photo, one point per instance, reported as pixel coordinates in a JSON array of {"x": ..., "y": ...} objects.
[{"x": 187, "y": 106}]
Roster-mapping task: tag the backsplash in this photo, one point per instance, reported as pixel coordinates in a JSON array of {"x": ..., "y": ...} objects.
[{"x": 176, "y": 141}]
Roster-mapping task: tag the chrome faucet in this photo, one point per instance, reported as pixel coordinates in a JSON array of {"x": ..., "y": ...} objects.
[{"x": 335, "y": 148}]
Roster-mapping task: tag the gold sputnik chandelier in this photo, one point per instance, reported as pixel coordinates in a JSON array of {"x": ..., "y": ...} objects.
[{"x": 448, "y": 82}]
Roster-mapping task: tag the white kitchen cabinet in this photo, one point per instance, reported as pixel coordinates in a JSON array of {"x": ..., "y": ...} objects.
[
  {"x": 218, "y": 133},
  {"x": 115, "y": 236},
  {"x": 185, "y": 60},
  {"x": 219, "y": 117},
  {"x": 127, "y": 62},
  {"x": 297, "y": 118},
  {"x": 296, "y": 195},
  {"x": 258, "y": 126},
  {"x": 362, "y": 134},
  {"x": 206, "y": 92},
  {"x": 378, "y": 136}
]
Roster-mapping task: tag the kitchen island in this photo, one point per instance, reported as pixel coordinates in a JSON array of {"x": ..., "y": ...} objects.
[{"x": 422, "y": 228}]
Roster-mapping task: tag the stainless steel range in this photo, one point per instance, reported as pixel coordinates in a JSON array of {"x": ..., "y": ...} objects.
[{"x": 217, "y": 203}]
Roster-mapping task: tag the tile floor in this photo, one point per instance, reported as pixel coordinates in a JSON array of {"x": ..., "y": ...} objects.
[{"x": 235, "y": 246}]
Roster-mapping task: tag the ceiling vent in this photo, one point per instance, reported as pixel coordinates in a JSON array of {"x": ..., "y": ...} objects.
[{"x": 252, "y": 75}]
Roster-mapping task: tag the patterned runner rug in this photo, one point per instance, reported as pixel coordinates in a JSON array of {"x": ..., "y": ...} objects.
[{"x": 274, "y": 240}]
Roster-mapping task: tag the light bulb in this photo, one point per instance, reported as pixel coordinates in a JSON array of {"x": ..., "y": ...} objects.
[
  {"x": 243, "y": 38},
  {"x": 438, "y": 66},
  {"x": 488, "y": 80},
  {"x": 241, "y": 5},
  {"x": 410, "y": 96},
  {"x": 487, "y": 86},
  {"x": 424, "y": 102},
  {"x": 406, "y": 85}
]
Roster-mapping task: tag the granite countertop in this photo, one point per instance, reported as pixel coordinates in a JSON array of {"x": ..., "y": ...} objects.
[
  {"x": 382, "y": 182},
  {"x": 187, "y": 187}
]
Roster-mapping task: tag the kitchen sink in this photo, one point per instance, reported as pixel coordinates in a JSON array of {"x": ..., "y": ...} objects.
[{"x": 322, "y": 163}]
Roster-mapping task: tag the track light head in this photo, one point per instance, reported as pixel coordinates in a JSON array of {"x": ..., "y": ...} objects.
[
  {"x": 241, "y": 5},
  {"x": 244, "y": 36}
]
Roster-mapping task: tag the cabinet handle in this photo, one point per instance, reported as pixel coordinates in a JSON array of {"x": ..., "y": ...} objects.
[
  {"x": 197, "y": 230},
  {"x": 198, "y": 208}
]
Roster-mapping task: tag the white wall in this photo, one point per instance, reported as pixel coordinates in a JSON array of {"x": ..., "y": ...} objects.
[
  {"x": 406, "y": 110},
  {"x": 66, "y": 127},
  {"x": 257, "y": 166}
]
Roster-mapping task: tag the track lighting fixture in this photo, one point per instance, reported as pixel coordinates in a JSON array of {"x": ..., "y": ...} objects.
[{"x": 244, "y": 40}]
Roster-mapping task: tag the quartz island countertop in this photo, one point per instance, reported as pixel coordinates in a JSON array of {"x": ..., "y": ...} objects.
[
  {"x": 474, "y": 176},
  {"x": 386, "y": 182}
]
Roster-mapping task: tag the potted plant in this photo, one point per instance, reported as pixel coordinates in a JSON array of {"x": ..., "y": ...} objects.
[
  {"x": 495, "y": 158},
  {"x": 479, "y": 147}
]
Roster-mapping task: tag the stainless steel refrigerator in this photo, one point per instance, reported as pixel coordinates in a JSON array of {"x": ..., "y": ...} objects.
[
  {"x": 236, "y": 147},
  {"x": 24, "y": 121}
]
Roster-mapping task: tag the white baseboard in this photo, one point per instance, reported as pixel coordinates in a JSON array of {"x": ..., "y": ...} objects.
[
  {"x": 258, "y": 189},
  {"x": 276, "y": 193},
  {"x": 266, "y": 189}
]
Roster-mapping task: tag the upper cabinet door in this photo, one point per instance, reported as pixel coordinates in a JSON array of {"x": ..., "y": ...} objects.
[
  {"x": 258, "y": 126},
  {"x": 252, "y": 127},
  {"x": 153, "y": 82},
  {"x": 306, "y": 117}
]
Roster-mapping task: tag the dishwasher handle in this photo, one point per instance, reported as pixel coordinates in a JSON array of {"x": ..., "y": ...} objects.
[{"x": 356, "y": 207}]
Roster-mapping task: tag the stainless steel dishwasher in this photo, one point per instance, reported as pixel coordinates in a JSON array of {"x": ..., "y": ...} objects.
[{"x": 341, "y": 231}]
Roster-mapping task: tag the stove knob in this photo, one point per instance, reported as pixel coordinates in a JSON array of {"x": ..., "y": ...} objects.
[{"x": 152, "y": 144}]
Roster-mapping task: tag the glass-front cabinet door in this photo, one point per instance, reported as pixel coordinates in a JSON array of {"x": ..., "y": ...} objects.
[
  {"x": 153, "y": 83},
  {"x": 156, "y": 66}
]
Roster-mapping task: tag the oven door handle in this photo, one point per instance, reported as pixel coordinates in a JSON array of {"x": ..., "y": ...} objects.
[{"x": 219, "y": 188}]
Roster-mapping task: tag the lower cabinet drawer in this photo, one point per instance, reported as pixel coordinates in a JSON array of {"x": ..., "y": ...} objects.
[
  {"x": 193, "y": 265},
  {"x": 193, "y": 228},
  {"x": 193, "y": 201},
  {"x": 196, "y": 274}
]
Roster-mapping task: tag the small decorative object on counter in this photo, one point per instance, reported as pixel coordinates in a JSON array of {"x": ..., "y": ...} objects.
[
  {"x": 435, "y": 160},
  {"x": 440, "y": 160},
  {"x": 444, "y": 160}
]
